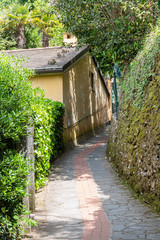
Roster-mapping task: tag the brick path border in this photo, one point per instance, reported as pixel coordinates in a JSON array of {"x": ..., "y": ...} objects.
[{"x": 96, "y": 224}]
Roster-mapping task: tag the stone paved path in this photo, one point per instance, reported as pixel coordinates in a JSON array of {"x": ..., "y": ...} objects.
[{"x": 84, "y": 200}]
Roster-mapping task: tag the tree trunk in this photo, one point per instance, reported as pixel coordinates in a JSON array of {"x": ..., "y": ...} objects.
[
  {"x": 21, "y": 40},
  {"x": 45, "y": 39}
]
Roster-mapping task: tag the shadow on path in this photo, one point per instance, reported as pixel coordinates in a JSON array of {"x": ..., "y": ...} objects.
[{"x": 60, "y": 208}]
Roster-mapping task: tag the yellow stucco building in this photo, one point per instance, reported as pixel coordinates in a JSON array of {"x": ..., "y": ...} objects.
[{"x": 71, "y": 76}]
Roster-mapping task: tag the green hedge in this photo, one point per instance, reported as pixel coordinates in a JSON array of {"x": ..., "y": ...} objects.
[
  {"x": 16, "y": 97},
  {"x": 19, "y": 102},
  {"x": 13, "y": 183},
  {"x": 48, "y": 135}
]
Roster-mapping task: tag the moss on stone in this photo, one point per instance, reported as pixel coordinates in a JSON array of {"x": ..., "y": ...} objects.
[{"x": 134, "y": 145}]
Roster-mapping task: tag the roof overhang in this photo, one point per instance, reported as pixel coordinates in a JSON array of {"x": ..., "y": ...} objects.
[{"x": 61, "y": 69}]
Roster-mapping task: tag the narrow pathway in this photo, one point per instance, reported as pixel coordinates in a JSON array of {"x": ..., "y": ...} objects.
[
  {"x": 96, "y": 224},
  {"x": 84, "y": 200}
]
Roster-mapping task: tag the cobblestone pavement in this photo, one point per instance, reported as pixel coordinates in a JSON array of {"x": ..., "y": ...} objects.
[{"x": 84, "y": 200}]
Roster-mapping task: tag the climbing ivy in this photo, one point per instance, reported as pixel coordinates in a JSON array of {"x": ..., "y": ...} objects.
[{"x": 141, "y": 70}]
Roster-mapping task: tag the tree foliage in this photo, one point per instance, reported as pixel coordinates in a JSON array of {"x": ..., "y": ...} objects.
[
  {"x": 17, "y": 17},
  {"x": 45, "y": 19},
  {"x": 25, "y": 24},
  {"x": 115, "y": 29}
]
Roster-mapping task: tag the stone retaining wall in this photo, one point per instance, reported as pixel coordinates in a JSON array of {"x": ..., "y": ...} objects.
[{"x": 134, "y": 145}]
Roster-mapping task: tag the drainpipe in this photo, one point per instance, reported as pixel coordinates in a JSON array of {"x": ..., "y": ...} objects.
[
  {"x": 116, "y": 75},
  {"x": 116, "y": 95}
]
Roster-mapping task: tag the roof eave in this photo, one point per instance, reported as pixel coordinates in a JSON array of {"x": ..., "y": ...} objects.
[
  {"x": 61, "y": 69},
  {"x": 99, "y": 72},
  {"x": 64, "y": 67},
  {"x": 48, "y": 70}
]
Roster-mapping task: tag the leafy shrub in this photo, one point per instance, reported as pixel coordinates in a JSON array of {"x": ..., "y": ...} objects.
[
  {"x": 16, "y": 97},
  {"x": 13, "y": 183},
  {"x": 48, "y": 139},
  {"x": 19, "y": 102},
  {"x": 58, "y": 114}
]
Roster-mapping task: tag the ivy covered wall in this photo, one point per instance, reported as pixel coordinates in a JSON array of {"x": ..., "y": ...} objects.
[{"x": 134, "y": 145}]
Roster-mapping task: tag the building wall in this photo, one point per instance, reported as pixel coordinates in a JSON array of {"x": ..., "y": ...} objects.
[
  {"x": 52, "y": 84},
  {"x": 86, "y": 105}
]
